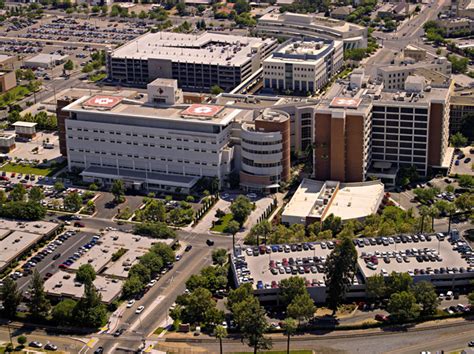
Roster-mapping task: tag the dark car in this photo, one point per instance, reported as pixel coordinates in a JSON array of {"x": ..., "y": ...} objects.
[
  {"x": 99, "y": 350},
  {"x": 51, "y": 347},
  {"x": 56, "y": 256},
  {"x": 209, "y": 242},
  {"x": 119, "y": 332},
  {"x": 78, "y": 224},
  {"x": 188, "y": 248}
]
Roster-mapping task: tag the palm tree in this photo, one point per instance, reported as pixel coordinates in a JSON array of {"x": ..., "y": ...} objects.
[
  {"x": 434, "y": 213},
  {"x": 450, "y": 210},
  {"x": 290, "y": 326},
  {"x": 424, "y": 212},
  {"x": 233, "y": 227},
  {"x": 220, "y": 332}
]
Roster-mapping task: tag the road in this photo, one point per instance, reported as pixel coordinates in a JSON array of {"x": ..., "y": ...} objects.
[
  {"x": 410, "y": 32},
  {"x": 403, "y": 342}
]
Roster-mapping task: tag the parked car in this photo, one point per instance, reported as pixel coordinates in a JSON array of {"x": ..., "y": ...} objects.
[
  {"x": 139, "y": 309},
  {"x": 36, "y": 344},
  {"x": 209, "y": 242},
  {"x": 51, "y": 347}
]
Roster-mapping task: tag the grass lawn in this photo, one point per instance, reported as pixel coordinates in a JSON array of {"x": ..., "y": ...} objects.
[
  {"x": 48, "y": 171},
  {"x": 97, "y": 77},
  {"x": 159, "y": 330},
  {"x": 16, "y": 93},
  {"x": 224, "y": 221},
  {"x": 279, "y": 352}
]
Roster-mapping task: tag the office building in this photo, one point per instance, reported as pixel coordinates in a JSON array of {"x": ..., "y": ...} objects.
[
  {"x": 302, "y": 66},
  {"x": 7, "y": 142},
  {"x": 393, "y": 76},
  {"x": 45, "y": 61},
  {"x": 462, "y": 106},
  {"x": 289, "y": 25},
  {"x": 457, "y": 26},
  {"x": 197, "y": 61},
  {"x": 7, "y": 80},
  {"x": 410, "y": 128}
]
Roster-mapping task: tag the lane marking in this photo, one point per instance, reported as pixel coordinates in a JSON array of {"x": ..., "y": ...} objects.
[{"x": 92, "y": 342}]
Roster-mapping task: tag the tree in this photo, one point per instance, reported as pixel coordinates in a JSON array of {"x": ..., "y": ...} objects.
[
  {"x": 241, "y": 209},
  {"x": 196, "y": 305},
  {"x": 154, "y": 229},
  {"x": 242, "y": 293},
  {"x": 465, "y": 202},
  {"x": 301, "y": 307},
  {"x": 36, "y": 194},
  {"x": 289, "y": 326},
  {"x": 22, "y": 340},
  {"x": 154, "y": 210},
  {"x": 85, "y": 274},
  {"x": 333, "y": 223},
  {"x": 458, "y": 140},
  {"x": 466, "y": 181},
  {"x": 10, "y": 296},
  {"x": 219, "y": 256},
  {"x": 398, "y": 282},
  {"x": 290, "y": 288},
  {"x": 68, "y": 65},
  {"x": 424, "y": 212},
  {"x": 38, "y": 304},
  {"x": 90, "y": 311},
  {"x": 181, "y": 8},
  {"x": 215, "y": 90},
  {"x": 459, "y": 64},
  {"x": 433, "y": 213},
  {"x": 426, "y": 297},
  {"x": 375, "y": 287},
  {"x": 233, "y": 227},
  {"x": 241, "y": 6},
  {"x": 72, "y": 201},
  {"x": 250, "y": 318},
  {"x": 340, "y": 271},
  {"x": 59, "y": 187},
  {"x": 132, "y": 286},
  {"x": 118, "y": 190},
  {"x": 220, "y": 332},
  {"x": 470, "y": 297},
  {"x": 262, "y": 229},
  {"x": 403, "y": 307},
  {"x": 18, "y": 193}
]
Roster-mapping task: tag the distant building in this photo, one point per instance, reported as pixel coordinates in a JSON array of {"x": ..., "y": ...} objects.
[
  {"x": 462, "y": 105},
  {"x": 303, "y": 66},
  {"x": 7, "y": 142},
  {"x": 415, "y": 53},
  {"x": 45, "y": 61},
  {"x": 7, "y": 80},
  {"x": 289, "y": 25},
  {"x": 197, "y": 61},
  {"x": 25, "y": 129},
  {"x": 341, "y": 12},
  {"x": 6, "y": 62},
  {"x": 396, "y": 11},
  {"x": 457, "y": 26}
]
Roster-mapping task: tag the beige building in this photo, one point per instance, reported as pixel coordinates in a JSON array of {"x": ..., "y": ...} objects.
[
  {"x": 462, "y": 105},
  {"x": 415, "y": 53},
  {"x": 457, "y": 26},
  {"x": 7, "y": 62},
  {"x": 7, "y": 142},
  {"x": 302, "y": 66},
  {"x": 7, "y": 80}
]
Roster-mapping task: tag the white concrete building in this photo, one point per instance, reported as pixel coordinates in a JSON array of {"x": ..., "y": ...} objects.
[
  {"x": 45, "y": 61},
  {"x": 289, "y": 25},
  {"x": 303, "y": 66}
]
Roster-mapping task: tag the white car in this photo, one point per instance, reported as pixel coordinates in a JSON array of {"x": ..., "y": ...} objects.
[
  {"x": 151, "y": 283},
  {"x": 130, "y": 303},
  {"x": 139, "y": 309}
]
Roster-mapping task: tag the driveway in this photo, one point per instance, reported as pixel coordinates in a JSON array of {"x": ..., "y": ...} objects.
[{"x": 106, "y": 209}]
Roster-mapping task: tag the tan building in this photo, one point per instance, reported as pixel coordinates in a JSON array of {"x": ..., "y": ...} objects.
[
  {"x": 7, "y": 142},
  {"x": 7, "y": 62},
  {"x": 457, "y": 26},
  {"x": 462, "y": 105},
  {"x": 7, "y": 80},
  {"x": 413, "y": 52}
]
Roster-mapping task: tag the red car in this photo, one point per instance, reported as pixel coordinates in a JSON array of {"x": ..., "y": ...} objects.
[
  {"x": 381, "y": 318},
  {"x": 78, "y": 224}
]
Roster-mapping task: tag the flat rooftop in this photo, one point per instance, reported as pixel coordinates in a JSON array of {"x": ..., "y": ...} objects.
[
  {"x": 63, "y": 284},
  {"x": 246, "y": 101},
  {"x": 46, "y": 58},
  {"x": 450, "y": 258},
  {"x": 306, "y": 51},
  {"x": 34, "y": 227},
  {"x": 435, "y": 95},
  {"x": 117, "y": 105},
  {"x": 319, "y": 199},
  {"x": 204, "y": 48},
  {"x": 100, "y": 255},
  {"x": 463, "y": 97},
  {"x": 14, "y": 244}
]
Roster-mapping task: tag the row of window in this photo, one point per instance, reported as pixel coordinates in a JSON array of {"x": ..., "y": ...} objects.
[
  {"x": 249, "y": 162},
  {"x": 397, "y": 117},
  {"x": 396, "y": 151},
  {"x": 253, "y": 142},
  {"x": 397, "y": 131},
  {"x": 262, "y": 152},
  {"x": 399, "y": 137},
  {"x": 407, "y": 145},
  {"x": 400, "y": 109}
]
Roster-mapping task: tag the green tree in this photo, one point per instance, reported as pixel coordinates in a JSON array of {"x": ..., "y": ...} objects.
[
  {"x": 466, "y": 181},
  {"x": 118, "y": 190},
  {"x": 433, "y": 213},
  {"x": 262, "y": 229},
  {"x": 85, "y": 274},
  {"x": 164, "y": 251},
  {"x": 215, "y": 90},
  {"x": 340, "y": 271},
  {"x": 38, "y": 304},
  {"x": 219, "y": 256},
  {"x": 154, "y": 229},
  {"x": 426, "y": 297},
  {"x": 241, "y": 209},
  {"x": 458, "y": 140},
  {"x": 154, "y": 210},
  {"x": 290, "y": 288},
  {"x": 242, "y": 293},
  {"x": 58, "y": 186},
  {"x": 375, "y": 287},
  {"x": 250, "y": 318},
  {"x": 289, "y": 326},
  {"x": 233, "y": 227},
  {"x": 18, "y": 193},
  {"x": 196, "y": 305},
  {"x": 301, "y": 307},
  {"x": 398, "y": 282},
  {"x": 470, "y": 297},
  {"x": 68, "y": 65},
  {"x": 22, "y": 340},
  {"x": 459, "y": 64},
  {"x": 72, "y": 201},
  {"x": 465, "y": 202},
  {"x": 36, "y": 194},
  {"x": 403, "y": 307},
  {"x": 10, "y": 296},
  {"x": 132, "y": 286},
  {"x": 333, "y": 223},
  {"x": 220, "y": 332},
  {"x": 424, "y": 212},
  {"x": 3, "y": 196},
  {"x": 181, "y": 8},
  {"x": 90, "y": 311}
]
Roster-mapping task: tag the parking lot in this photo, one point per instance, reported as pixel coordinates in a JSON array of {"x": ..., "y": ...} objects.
[
  {"x": 463, "y": 162},
  {"x": 35, "y": 150},
  {"x": 107, "y": 209}
]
